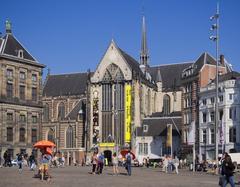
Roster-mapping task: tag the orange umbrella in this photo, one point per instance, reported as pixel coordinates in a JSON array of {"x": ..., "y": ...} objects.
[{"x": 43, "y": 144}]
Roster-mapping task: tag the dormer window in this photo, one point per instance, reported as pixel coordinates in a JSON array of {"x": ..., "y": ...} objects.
[
  {"x": 20, "y": 53},
  {"x": 145, "y": 128}
]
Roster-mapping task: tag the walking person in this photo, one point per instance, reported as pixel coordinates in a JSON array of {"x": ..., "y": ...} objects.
[
  {"x": 20, "y": 161},
  {"x": 176, "y": 163},
  {"x": 94, "y": 162},
  {"x": 165, "y": 164},
  {"x": 128, "y": 163},
  {"x": 115, "y": 164},
  {"x": 227, "y": 171},
  {"x": 32, "y": 162},
  {"x": 100, "y": 163}
]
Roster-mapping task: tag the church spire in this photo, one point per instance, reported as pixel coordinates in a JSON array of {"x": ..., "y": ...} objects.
[{"x": 144, "y": 50}]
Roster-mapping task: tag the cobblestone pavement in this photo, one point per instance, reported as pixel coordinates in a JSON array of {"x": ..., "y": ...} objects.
[{"x": 79, "y": 176}]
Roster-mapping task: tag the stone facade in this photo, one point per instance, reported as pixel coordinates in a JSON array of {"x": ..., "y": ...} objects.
[
  {"x": 229, "y": 107},
  {"x": 20, "y": 97}
]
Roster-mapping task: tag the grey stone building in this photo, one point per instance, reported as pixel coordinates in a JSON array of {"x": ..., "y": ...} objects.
[{"x": 20, "y": 96}]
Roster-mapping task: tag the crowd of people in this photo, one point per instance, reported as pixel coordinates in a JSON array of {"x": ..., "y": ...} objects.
[{"x": 98, "y": 162}]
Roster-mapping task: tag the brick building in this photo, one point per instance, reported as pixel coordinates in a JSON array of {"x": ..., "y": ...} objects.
[
  {"x": 194, "y": 77},
  {"x": 64, "y": 112}
]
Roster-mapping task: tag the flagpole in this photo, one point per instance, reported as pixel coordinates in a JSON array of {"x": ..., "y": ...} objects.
[{"x": 171, "y": 143}]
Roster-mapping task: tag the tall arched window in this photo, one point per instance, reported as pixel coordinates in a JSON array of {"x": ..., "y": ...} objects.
[
  {"x": 148, "y": 101},
  {"x": 46, "y": 112},
  {"x": 154, "y": 103},
  {"x": 69, "y": 137},
  {"x": 166, "y": 104},
  {"x": 61, "y": 111},
  {"x": 50, "y": 135}
]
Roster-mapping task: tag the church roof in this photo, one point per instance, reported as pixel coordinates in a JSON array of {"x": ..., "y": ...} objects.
[
  {"x": 75, "y": 111},
  {"x": 158, "y": 126},
  {"x": 134, "y": 65},
  {"x": 65, "y": 84},
  {"x": 170, "y": 75}
]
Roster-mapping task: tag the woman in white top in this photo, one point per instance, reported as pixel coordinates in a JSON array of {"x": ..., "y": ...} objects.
[{"x": 115, "y": 164}]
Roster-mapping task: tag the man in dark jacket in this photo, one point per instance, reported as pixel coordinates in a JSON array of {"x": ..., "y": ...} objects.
[{"x": 227, "y": 171}]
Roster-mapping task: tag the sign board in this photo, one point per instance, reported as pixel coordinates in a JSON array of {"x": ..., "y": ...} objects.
[
  {"x": 128, "y": 101},
  {"x": 106, "y": 144}
]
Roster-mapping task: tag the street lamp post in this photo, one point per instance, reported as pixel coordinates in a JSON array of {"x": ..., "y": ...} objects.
[
  {"x": 116, "y": 115},
  {"x": 82, "y": 112},
  {"x": 215, "y": 38}
]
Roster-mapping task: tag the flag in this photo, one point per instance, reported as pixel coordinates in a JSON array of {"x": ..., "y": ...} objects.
[
  {"x": 221, "y": 132},
  {"x": 169, "y": 135},
  {"x": 191, "y": 134}
]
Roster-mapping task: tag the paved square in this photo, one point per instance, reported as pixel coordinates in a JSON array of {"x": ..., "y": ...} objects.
[{"x": 79, "y": 176}]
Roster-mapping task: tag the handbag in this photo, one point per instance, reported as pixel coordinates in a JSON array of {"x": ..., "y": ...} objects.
[{"x": 221, "y": 180}]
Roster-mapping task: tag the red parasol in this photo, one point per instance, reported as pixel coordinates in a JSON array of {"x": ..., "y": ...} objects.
[
  {"x": 124, "y": 152},
  {"x": 44, "y": 144}
]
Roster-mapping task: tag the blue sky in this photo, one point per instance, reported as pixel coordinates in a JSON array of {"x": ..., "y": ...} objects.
[{"x": 72, "y": 36}]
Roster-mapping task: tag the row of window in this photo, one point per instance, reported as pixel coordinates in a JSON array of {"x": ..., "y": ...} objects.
[
  {"x": 22, "y": 133},
  {"x": 22, "y": 92},
  {"x": 232, "y": 114},
  {"x": 211, "y": 136},
  {"x": 231, "y": 97},
  {"x": 22, "y": 75},
  {"x": 143, "y": 149},
  {"x": 22, "y": 118}
]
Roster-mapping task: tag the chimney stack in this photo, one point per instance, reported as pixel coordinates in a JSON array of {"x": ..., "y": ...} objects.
[{"x": 222, "y": 59}]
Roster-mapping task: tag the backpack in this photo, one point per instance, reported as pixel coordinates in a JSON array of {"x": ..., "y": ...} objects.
[
  {"x": 128, "y": 159},
  {"x": 19, "y": 158}
]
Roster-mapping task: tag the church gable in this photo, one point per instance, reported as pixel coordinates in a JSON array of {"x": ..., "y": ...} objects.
[{"x": 113, "y": 66}]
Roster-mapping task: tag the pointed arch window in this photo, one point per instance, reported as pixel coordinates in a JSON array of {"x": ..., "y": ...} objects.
[
  {"x": 69, "y": 137},
  {"x": 166, "y": 104},
  {"x": 154, "y": 103},
  {"x": 148, "y": 101},
  {"x": 61, "y": 111}
]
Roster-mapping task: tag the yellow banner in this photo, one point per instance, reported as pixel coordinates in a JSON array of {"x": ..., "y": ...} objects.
[
  {"x": 106, "y": 144},
  {"x": 128, "y": 113},
  {"x": 169, "y": 135}
]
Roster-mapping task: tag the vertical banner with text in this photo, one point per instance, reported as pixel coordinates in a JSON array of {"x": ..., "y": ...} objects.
[
  {"x": 169, "y": 135},
  {"x": 128, "y": 113}
]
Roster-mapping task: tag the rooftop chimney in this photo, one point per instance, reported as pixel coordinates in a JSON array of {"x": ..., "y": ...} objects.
[{"x": 222, "y": 59}]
